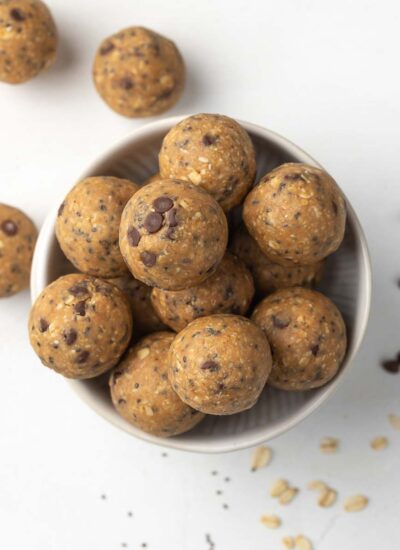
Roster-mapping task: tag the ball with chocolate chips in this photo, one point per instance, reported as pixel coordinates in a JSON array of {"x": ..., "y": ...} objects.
[
  {"x": 307, "y": 335},
  {"x": 138, "y": 72},
  {"x": 17, "y": 241},
  {"x": 220, "y": 364},
  {"x": 87, "y": 226},
  {"x": 173, "y": 235},
  {"x": 229, "y": 290},
  {"x": 142, "y": 394},
  {"x": 79, "y": 326},
  {"x": 145, "y": 318},
  {"x": 268, "y": 275},
  {"x": 297, "y": 214},
  {"x": 28, "y": 40},
  {"x": 212, "y": 151}
]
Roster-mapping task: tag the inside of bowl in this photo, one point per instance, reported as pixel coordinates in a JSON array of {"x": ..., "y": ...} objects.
[{"x": 344, "y": 282}]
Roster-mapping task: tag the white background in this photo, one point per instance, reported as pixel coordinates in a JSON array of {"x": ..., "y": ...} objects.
[{"x": 324, "y": 74}]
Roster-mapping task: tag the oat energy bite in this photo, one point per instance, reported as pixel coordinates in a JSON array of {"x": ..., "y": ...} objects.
[
  {"x": 297, "y": 214},
  {"x": 268, "y": 275},
  {"x": 219, "y": 364},
  {"x": 87, "y": 225},
  {"x": 138, "y": 72},
  {"x": 212, "y": 151},
  {"x": 229, "y": 290},
  {"x": 17, "y": 241},
  {"x": 142, "y": 394},
  {"x": 28, "y": 40},
  {"x": 79, "y": 326},
  {"x": 307, "y": 335},
  {"x": 145, "y": 319},
  {"x": 173, "y": 235}
]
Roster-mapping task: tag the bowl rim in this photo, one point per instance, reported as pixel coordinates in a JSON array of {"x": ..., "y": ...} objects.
[{"x": 39, "y": 281}]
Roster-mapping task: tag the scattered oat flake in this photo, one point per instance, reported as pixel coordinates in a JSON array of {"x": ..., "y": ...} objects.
[
  {"x": 303, "y": 543},
  {"x": 355, "y": 503},
  {"x": 288, "y": 542},
  {"x": 278, "y": 487},
  {"x": 379, "y": 443},
  {"x": 260, "y": 458},
  {"x": 329, "y": 445},
  {"x": 142, "y": 353},
  {"x": 317, "y": 485},
  {"x": 288, "y": 495},
  {"x": 394, "y": 420},
  {"x": 327, "y": 498},
  {"x": 271, "y": 521}
]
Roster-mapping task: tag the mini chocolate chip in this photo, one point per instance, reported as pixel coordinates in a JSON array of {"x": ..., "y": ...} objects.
[
  {"x": 17, "y": 15},
  {"x": 279, "y": 323},
  {"x": 171, "y": 218},
  {"x": 212, "y": 366},
  {"x": 126, "y": 83},
  {"x": 61, "y": 209},
  {"x": 82, "y": 357},
  {"x": 163, "y": 204},
  {"x": 165, "y": 94},
  {"x": 80, "y": 308},
  {"x": 77, "y": 289},
  {"x": 170, "y": 233},
  {"x": 43, "y": 325},
  {"x": 315, "y": 350},
  {"x": 107, "y": 48},
  {"x": 148, "y": 258},
  {"x": 133, "y": 236},
  {"x": 334, "y": 208},
  {"x": 70, "y": 336},
  {"x": 208, "y": 140},
  {"x": 121, "y": 401},
  {"x": 9, "y": 228},
  {"x": 153, "y": 222},
  {"x": 392, "y": 366}
]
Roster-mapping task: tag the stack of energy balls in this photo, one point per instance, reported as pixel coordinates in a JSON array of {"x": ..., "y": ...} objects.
[{"x": 189, "y": 324}]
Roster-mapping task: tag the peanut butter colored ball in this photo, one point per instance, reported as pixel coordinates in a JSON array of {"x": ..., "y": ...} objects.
[
  {"x": 138, "y": 72},
  {"x": 173, "y": 234},
  {"x": 142, "y": 394},
  {"x": 213, "y": 152},
  {"x": 28, "y": 40},
  {"x": 307, "y": 335},
  {"x": 17, "y": 241},
  {"x": 297, "y": 214},
  {"x": 220, "y": 364}
]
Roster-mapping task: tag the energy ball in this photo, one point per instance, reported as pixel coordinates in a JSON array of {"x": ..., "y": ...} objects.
[
  {"x": 212, "y": 151},
  {"x": 220, "y": 364},
  {"x": 173, "y": 234},
  {"x": 297, "y": 214},
  {"x": 142, "y": 394},
  {"x": 28, "y": 40},
  {"x": 80, "y": 326},
  {"x": 145, "y": 318},
  {"x": 87, "y": 226},
  {"x": 229, "y": 290},
  {"x": 269, "y": 276},
  {"x": 307, "y": 335},
  {"x": 138, "y": 72},
  {"x": 17, "y": 242}
]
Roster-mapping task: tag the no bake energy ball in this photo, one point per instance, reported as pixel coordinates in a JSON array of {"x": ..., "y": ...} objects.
[
  {"x": 220, "y": 364},
  {"x": 229, "y": 290},
  {"x": 307, "y": 335},
  {"x": 79, "y": 326},
  {"x": 173, "y": 235},
  {"x": 87, "y": 226},
  {"x": 212, "y": 151},
  {"x": 142, "y": 394},
  {"x": 138, "y": 72},
  {"x": 296, "y": 214},
  {"x": 17, "y": 241},
  {"x": 28, "y": 39},
  {"x": 268, "y": 275}
]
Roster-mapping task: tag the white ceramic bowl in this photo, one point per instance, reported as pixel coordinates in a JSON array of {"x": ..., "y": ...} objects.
[{"x": 347, "y": 282}]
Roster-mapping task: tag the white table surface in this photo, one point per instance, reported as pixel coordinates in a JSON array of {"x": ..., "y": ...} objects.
[{"x": 324, "y": 74}]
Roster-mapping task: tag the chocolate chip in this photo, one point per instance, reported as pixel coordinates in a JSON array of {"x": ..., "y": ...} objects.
[
  {"x": 392, "y": 366},
  {"x": 334, "y": 208},
  {"x": 61, "y": 209},
  {"x": 9, "y": 228},
  {"x": 212, "y": 366},
  {"x": 165, "y": 94},
  {"x": 126, "y": 83},
  {"x": 153, "y": 222},
  {"x": 43, "y": 325},
  {"x": 80, "y": 308},
  {"x": 170, "y": 233},
  {"x": 148, "y": 258},
  {"x": 121, "y": 401},
  {"x": 208, "y": 140},
  {"x": 107, "y": 48},
  {"x": 17, "y": 15},
  {"x": 171, "y": 218},
  {"x": 77, "y": 290},
  {"x": 133, "y": 236},
  {"x": 279, "y": 323},
  {"x": 70, "y": 336},
  {"x": 82, "y": 357},
  {"x": 163, "y": 204},
  {"x": 315, "y": 350}
]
